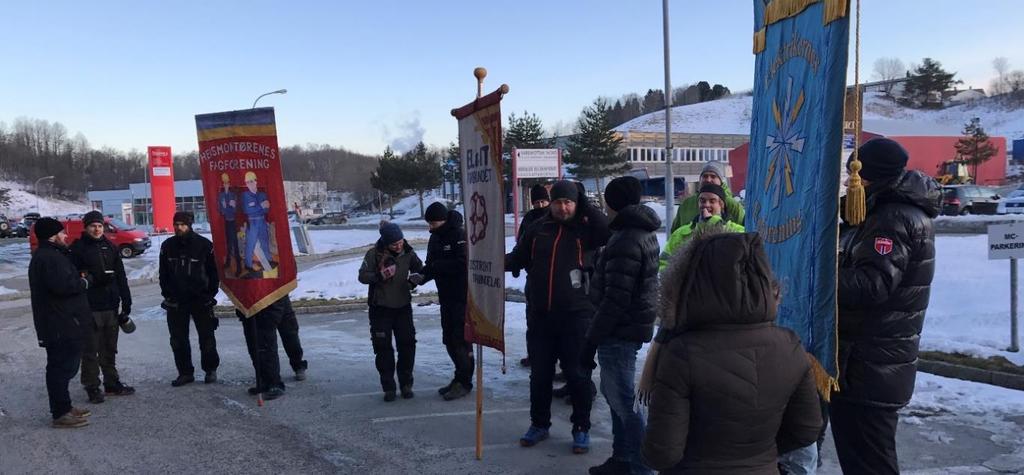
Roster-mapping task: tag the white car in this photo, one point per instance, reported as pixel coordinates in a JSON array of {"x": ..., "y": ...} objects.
[{"x": 1012, "y": 204}]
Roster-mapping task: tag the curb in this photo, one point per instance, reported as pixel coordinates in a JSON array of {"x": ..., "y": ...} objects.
[
  {"x": 967, "y": 373},
  {"x": 356, "y": 305}
]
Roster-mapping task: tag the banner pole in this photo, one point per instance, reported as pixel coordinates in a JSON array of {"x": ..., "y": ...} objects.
[
  {"x": 515, "y": 190},
  {"x": 480, "y": 74}
]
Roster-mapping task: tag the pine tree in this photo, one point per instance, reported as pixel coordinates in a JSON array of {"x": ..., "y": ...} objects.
[
  {"x": 526, "y": 131},
  {"x": 594, "y": 149},
  {"x": 654, "y": 101},
  {"x": 421, "y": 171},
  {"x": 975, "y": 147},
  {"x": 388, "y": 177},
  {"x": 927, "y": 81},
  {"x": 631, "y": 108},
  {"x": 453, "y": 168},
  {"x": 719, "y": 91}
]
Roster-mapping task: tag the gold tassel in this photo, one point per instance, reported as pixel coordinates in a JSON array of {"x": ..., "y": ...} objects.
[
  {"x": 822, "y": 381},
  {"x": 759, "y": 40},
  {"x": 855, "y": 206}
]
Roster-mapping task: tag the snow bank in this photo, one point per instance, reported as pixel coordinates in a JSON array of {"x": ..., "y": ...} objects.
[{"x": 24, "y": 201}]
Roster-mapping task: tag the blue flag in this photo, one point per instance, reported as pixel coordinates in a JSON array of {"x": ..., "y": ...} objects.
[{"x": 796, "y": 140}]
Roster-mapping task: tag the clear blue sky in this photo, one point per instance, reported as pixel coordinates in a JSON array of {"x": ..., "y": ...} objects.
[{"x": 365, "y": 74}]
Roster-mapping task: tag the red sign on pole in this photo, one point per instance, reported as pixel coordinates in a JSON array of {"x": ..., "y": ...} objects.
[{"x": 161, "y": 186}]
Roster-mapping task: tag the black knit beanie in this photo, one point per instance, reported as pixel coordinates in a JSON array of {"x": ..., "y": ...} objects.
[
  {"x": 46, "y": 228},
  {"x": 92, "y": 217},
  {"x": 622, "y": 192},
  {"x": 539, "y": 192},
  {"x": 184, "y": 217},
  {"x": 713, "y": 188},
  {"x": 437, "y": 211},
  {"x": 881, "y": 159},
  {"x": 565, "y": 189}
]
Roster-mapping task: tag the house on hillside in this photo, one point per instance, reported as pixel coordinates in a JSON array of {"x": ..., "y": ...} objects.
[{"x": 956, "y": 96}]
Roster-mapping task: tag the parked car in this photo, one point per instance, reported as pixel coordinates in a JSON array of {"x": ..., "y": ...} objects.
[
  {"x": 18, "y": 229},
  {"x": 333, "y": 217},
  {"x": 969, "y": 199},
  {"x": 1012, "y": 203},
  {"x": 130, "y": 242},
  {"x": 6, "y": 227}
]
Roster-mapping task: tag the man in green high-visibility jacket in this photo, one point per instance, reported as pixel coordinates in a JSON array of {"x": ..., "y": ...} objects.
[
  {"x": 710, "y": 204},
  {"x": 714, "y": 173}
]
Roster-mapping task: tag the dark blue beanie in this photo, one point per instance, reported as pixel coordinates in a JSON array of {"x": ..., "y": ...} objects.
[{"x": 390, "y": 233}]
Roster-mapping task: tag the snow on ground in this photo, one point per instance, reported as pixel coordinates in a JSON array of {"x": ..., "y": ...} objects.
[
  {"x": 5, "y": 290},
  {"x": 24, "y": 201},
  {"x": 407, "y": 210}
]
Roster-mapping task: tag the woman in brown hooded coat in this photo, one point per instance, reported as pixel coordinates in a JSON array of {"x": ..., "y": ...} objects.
[{"x": 728, "y": 389}]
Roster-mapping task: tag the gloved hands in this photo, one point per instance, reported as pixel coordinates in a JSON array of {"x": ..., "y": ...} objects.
[
  {"x": 169, "y": 304},
  {"x": 126, "y": 309},
  {"x": 416, "y": 279},
  {"x": 388, "y": 272},
  {"x": 587, "y": 357},
  {"x": 515, "y": 273}
]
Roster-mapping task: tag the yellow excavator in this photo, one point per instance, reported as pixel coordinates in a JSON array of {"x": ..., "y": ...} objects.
[{"x": 954, "y": 172}]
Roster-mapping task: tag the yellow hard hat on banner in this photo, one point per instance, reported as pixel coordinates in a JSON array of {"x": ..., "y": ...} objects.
[{"x": 250, "y": 176}]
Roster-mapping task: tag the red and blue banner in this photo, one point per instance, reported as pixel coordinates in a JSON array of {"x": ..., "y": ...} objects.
[
  {"x": 796, "y": 141},
  {"x": 243, "y": 186}
]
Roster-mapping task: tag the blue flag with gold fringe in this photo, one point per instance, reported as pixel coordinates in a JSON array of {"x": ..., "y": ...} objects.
[{"x": 796, "y": 139}]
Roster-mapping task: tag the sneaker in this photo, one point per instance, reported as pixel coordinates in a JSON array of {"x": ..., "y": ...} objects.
[
  {"x": 525, "y": 362},
  {"x": 580, "y": 442},
  {"x": 182, "y": 380},
  {"x": 119, "y": 389},
  {"x": 300, "y": 374},
  {"x": 83, "y": 413},
  {"x": 407, "y": 392},
  {"x": 559, "y": 393},
  {"x": 389, "y": 396},
  {"x": 445, "y": 388},
  {"x": 457, "y": 391},
  {"x": 273, "y": 393},
  {"x": 95, "y": 395},
  {"x": 611, "y": 467},
  {"x": 69, "y": 421},
  {"x": 533, "y": 435},
  {"x": 211, "y": 377}
]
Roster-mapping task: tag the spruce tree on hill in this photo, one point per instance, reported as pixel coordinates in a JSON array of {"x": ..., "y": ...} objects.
[
  {"x": 594, "y": 150},
  {"x": 389, "y": 178},
  {"x": 453, "y": 169},
  {"x": 975, "y": 147},
  {"x": 927, "y": 83},
  {"x": 421, "y": 171},
  {"x": 654, "y": 101}
]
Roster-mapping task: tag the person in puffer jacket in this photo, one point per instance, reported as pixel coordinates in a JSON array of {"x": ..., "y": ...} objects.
[
  {"x": 886, "y": 266},
  {"x": 728, "y": 389},
  {"x": 625, "y": 293}
]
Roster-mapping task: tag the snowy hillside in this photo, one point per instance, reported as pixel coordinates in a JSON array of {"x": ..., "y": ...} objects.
[
  {"x": 24, "y": 201},
  {"x": 732, "y": 115}
]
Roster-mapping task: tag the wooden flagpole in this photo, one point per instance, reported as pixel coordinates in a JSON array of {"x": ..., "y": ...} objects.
[{"x": 480, "y": 74}]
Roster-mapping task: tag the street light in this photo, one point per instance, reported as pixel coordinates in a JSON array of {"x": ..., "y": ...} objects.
[
  {"x": 36, "y": 188},
  {"x": 279, "y": 91}
]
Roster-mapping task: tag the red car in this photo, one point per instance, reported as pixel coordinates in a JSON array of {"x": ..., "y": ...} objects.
[{"x": 130, "y": 241}]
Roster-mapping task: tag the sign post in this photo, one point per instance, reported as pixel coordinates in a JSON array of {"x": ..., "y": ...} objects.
[
  {"x": 533, "y": 163},
  {"x": 1006, "y": 241}
]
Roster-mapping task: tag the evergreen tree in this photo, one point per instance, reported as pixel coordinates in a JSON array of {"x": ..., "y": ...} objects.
[
  {"x": 388, "y": 177},
  {"x": 526, "y": 131},
  {"x": 654, "y": 101},
  {"x": 928, "y": 81},
  {"x": 975, "y": 147},
  {"x": 5, "y": 197},
  {"x": 594, "y": 150},
  {"x": 631, "y": 108},
  {"x": 453, "y": 169},
  {"x": 719, "y": 91},
  {"x": 615, "y": 116},
  {"x": 705, "y": 91},
  {"x": 421, "y": 171}
]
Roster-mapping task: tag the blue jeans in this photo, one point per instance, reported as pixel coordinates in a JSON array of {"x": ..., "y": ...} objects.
[
  {"x": 802, "y": 461},
  {"x": 617, "y": 359}
]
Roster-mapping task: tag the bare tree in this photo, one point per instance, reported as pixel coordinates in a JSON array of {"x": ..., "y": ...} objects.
[
  {"x": 998, "y": 85},
  {"x": 1014, "y": 81},
  {"x": 889, "y": 69}
]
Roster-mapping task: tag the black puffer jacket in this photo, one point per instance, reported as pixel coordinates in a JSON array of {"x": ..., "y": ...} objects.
[
  {"x": 59, "y": 305},
  {"x": 446, "y": 260},
  {"x": 99, "y": 257},
  {"x": 188, "y": 271},
  {"x": 731, "y": 389},
  {"x": 551, "y": 251},
  {"x": 625, "y": 288},
  {"x": 885, "y": 274},
  {"x": 531, "y": 217}
]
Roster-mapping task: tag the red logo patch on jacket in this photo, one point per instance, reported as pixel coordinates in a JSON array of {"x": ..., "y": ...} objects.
[{"x": 883, "y": 246}]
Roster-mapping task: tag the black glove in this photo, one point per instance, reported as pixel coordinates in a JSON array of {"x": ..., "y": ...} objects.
[
  {"x": 210, "y": 304},
  {"x": 587, "y": 357},
  {"x": 515, "y": 273},
  {"x": 169, "y": 304},
  {"x": 126, "y": 309}
]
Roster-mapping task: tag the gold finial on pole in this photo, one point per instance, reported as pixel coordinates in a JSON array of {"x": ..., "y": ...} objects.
[{"x": 480, "y": 74}]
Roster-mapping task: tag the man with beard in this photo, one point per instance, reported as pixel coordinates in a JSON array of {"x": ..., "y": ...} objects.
[
  {"x": 557, "y": 251},
  {"x": 96, "y": 256},
  {"x": 189, "y": 285},
  {"x": 60, "y": 311}
]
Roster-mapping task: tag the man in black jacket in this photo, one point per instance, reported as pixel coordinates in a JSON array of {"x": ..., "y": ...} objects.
[
  {"x": 885, "y": 273},
  {"x": 625, "y": 293},
  {"x": 96, "y": 256},
  {"x": 60, "y": 311},
  {"x": 189, "y": 284},
  {"x": 557, "y": 252},
  {"x": 446, "y": 264}
]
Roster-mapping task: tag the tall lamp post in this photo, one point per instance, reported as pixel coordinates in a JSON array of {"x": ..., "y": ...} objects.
[
  {"x": 36, "y": 189},
  {"x": 670, "y": 191},
  {"x": 279, "y": 91}
]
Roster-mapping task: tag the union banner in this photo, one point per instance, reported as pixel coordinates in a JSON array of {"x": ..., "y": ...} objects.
[
  {"x": 796, "y": 141},
  {"x": 483, "y": 197},
  {"x": 243, "y": 188}
]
